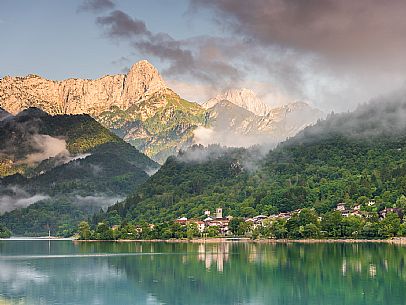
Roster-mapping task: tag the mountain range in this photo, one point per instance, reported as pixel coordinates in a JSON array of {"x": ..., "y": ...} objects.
[
  {"x": 140, "y": 108},
  {"x": 69, "y": 148}
]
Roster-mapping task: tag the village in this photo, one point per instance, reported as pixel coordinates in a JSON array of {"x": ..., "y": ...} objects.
[{"x": 221, "y": 222}]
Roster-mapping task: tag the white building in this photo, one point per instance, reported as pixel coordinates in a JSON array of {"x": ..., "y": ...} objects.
[{"x": 340, "y": 206}]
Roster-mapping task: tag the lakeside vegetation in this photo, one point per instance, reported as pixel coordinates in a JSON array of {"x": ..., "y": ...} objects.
[
  {"x": 4, "y": 232},
  {"x": 304, "y": 225}
]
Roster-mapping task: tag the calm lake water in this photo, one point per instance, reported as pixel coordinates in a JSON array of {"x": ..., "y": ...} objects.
[{"x": 65, "y": 272}]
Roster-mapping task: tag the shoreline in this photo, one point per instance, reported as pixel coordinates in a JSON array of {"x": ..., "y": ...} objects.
[{"x": 395, "y": 240}]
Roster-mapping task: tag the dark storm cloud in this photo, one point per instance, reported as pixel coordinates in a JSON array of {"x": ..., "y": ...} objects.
[
  {"x": 96, "y": 5},
  {"x": 344, "y": 29},
  {"x": 185, "y": 57}
]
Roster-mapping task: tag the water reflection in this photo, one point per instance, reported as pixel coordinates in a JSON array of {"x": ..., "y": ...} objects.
[{"x": 180, "y": 273}]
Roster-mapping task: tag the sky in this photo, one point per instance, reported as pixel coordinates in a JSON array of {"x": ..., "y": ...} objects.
[{"x": 334, "y": 54}]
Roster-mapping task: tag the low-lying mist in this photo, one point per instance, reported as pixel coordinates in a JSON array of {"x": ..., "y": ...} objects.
[{"x": 14, "y": 197}]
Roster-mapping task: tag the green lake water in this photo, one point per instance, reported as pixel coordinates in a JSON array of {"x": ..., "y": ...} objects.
[{"x": 65, "y": 272}]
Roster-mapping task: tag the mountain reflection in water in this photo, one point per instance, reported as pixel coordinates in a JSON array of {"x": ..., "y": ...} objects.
[{"x": 66, "y": 272}]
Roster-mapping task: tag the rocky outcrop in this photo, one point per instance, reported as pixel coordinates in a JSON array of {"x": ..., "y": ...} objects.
[{"x": 77, "y": 96}]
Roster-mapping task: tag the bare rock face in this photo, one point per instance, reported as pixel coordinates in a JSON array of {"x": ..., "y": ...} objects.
[
  {"x": 77, "y": 96},
  {"x": 243, "y": 98}
]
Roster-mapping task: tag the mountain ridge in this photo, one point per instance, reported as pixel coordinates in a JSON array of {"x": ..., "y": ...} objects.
[
  {"x": 79, "y": 96},
  {"x": 141, "y": 109}
]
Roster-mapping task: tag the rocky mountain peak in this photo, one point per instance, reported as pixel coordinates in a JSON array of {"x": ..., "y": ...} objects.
[
  {"x": 141, "y": 81},
  {"x": 78, "y": 96},
  {"x": 242, "y": 97}
]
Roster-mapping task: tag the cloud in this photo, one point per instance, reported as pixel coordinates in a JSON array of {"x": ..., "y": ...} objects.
[
  {"x": 199, "y": 153},
  {"x": 96, "y": 5},
  {"x": 69, "y": 158},
  {"x": 193, "y": 91},
  {"x": 14, "y": 198},
  {"x": 120, "y": 25},
  {"x": 384, "y": 116},
  {"x": 335, "y": 53},
  {"x": 239, "y": 160},
  {"x": 328, "y": 27},
  {"x": 151, "y": 171},
  {"x": 98, "y": 200},
  {"x": 199, "y": 57},
  {"x": 45, "y": 147},
  {"x": 208, "y": 136}
]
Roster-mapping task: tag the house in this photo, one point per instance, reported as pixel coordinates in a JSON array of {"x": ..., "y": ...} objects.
[
  {"x": 340, "y": 206},
  {"x": 342, "y": 209},
  {"x": 200, "y": 225},
  {"x": 355, "y": 212},
  {"x": 345, "y": 213},
  {"x": 182, "y": 220},
  {"x": 221, "y": 223},
  {"x": 357, "y": 207},
  {"x": 286, "y": 215},
  {"x": 384, "y": 212},
  {"x": 259, "y": 218},
  {"x": 371, "y": 203}
]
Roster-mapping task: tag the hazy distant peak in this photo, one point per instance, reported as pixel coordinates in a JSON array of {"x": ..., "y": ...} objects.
[{"x": 241, "y": 97}]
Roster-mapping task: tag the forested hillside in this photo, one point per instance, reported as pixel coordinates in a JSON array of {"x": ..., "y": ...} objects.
[
  {"x": 60, "y": 169},
  {"x": 347, "y": 158}
]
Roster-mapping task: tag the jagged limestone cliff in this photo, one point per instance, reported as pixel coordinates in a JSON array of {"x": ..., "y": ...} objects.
[
  {"x": 78, "y": 96},
  {"x": 141, "y": 109}
]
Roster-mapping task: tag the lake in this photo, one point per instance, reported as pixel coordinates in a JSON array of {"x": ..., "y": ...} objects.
[{"x": 66, "y": 272}]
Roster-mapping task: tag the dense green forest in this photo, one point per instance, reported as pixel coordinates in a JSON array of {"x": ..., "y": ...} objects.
[
  {"x": 351, "y": 158},
  {"x": 97, "y": 170},
  {"x": 4, "y": 232}
]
